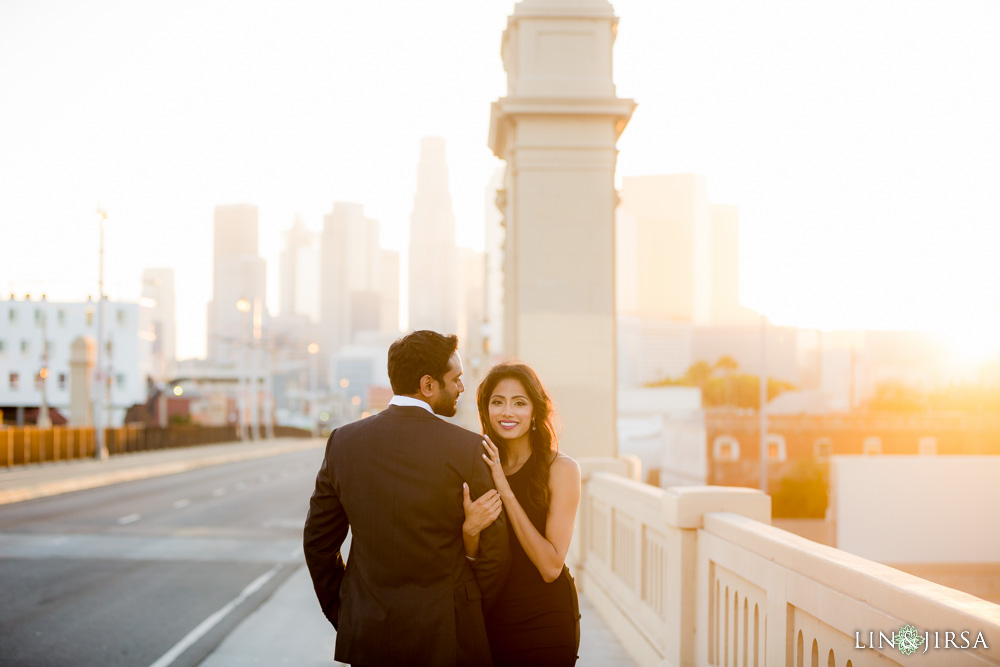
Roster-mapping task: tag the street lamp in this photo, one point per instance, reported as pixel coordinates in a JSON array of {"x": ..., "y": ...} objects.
[
  {"x": 43, "y": 420},
  {"x": 255, "y": 332},
  {"x": 244, "y": 307},
  {"x": 762, "y": 412},
  {"x": 100, "y": 450},
  {"x": 313, "y": 424}
]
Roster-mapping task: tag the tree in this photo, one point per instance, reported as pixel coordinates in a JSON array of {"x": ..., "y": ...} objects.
[
  {"x": 897, "y": 397},
  {"x": 802, "y": 494},
  {"x": 698, "y": 374},
  {"x": 735, "y": 389},
  {"x": 728, "y": 366}
]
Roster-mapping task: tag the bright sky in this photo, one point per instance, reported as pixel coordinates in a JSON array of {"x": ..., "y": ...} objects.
[{"x": 859, "y": 138}]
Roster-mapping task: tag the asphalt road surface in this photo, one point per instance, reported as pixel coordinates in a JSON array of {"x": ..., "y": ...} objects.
[{"x": 153, "y": 572}]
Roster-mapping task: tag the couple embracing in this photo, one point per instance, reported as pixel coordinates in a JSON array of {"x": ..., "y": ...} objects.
[{"x": 458, "y": 539}]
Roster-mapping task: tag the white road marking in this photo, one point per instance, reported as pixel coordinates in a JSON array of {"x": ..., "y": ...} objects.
[
  {"x": 219, "y": 492},
  {"x": 213, "y": 620},
  {"x": 284, "y": 523},
  {"x": 129, "y": 518},
  {"x": 181, "y": 504},
  {"x": 241, "y": 486}
]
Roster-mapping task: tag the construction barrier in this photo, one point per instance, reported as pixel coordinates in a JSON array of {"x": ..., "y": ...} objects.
[{"x": 22, "y": 445}]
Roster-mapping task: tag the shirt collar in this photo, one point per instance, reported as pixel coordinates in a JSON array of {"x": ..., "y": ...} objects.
[{"x": 408, "y": 402}]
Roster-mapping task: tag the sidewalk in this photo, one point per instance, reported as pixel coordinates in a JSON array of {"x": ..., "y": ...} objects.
[
  {"x": 288, "y": 628},
  {"x": 49, "y": 479}
]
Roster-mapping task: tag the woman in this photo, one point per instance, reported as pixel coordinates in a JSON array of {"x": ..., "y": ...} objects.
[{"x": 536, "y": 619}]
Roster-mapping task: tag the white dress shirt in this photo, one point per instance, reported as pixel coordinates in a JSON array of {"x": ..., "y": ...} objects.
[{"x": 408, "y": 402}]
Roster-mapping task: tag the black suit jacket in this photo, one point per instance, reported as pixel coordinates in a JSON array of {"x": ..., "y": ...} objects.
[{"x": 408, "y": 595}]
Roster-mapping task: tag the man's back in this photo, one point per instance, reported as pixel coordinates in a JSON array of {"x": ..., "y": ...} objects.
[{"x": 409, "y": 594}]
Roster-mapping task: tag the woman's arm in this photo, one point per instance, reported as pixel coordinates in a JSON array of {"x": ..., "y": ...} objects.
[{"x": 547, "y": 552}]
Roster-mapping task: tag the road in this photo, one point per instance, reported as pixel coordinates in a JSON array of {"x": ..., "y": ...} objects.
[{"x": 151, "y": 572}]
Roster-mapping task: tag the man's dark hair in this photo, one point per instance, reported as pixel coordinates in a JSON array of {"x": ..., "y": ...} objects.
[{"x": 417, "y": 354}]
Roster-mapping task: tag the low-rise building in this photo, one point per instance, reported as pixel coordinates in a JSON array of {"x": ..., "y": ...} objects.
[{"x": 36, "y": 334}]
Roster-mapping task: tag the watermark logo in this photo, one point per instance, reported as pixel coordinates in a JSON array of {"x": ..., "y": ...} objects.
[{"x": 908, "y": 640}]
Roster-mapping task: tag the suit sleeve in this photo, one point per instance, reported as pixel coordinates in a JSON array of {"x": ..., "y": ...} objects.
[
  {"x": 324, "y": 534},
  {"x": 493, "y": 562}
]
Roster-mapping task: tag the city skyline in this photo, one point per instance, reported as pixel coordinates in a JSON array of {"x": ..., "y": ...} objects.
[{"x": 856, "y": 141}]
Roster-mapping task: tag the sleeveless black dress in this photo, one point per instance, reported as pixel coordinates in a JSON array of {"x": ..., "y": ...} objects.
[{"x": 533, "y": 623}]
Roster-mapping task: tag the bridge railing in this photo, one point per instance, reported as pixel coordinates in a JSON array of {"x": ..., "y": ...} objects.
[{"x": 698, "y": 576}]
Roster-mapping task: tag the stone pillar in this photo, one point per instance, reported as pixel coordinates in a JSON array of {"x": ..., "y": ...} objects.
[
  {"x": 557, "y": 129},
  {"x": 83, "y": 352}
]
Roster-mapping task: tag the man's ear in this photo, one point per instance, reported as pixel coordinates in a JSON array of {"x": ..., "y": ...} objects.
[{"x": 427, "y": 386}]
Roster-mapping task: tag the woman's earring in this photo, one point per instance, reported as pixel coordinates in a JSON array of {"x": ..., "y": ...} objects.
[{"x": 533, "y": 424}]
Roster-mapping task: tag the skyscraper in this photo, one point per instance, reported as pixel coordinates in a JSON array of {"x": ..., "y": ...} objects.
[
  {"x": 671, "y": 218},
  {"x": 351, "y": 275},
  {"x": 389, "y": 291},
  {"x": 238, "y": 273},
  {"x": 494, "y": 241},
  {"x": 678, "y": 255},
  {"x": 725, "y": 262},
  {"x": 160, "y": 316},
  {"x": 677, "y": 279},
  {"x": 298, "y": 277},
  {"x": 433, "y": 295}
]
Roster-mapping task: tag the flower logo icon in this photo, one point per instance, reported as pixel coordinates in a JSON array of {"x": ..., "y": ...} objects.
[{"x": 908, "y": 639}]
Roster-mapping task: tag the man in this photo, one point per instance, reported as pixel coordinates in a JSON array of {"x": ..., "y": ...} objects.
[{"x": 409, "y": 594}]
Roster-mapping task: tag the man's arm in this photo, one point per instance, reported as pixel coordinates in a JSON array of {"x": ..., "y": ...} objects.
[
  {"x": 493, "y": 561},
  {"x": 325, "y": 531}
]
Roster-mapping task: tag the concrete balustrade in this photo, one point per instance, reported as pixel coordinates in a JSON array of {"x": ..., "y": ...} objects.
[{"x": 698, "y": 576}]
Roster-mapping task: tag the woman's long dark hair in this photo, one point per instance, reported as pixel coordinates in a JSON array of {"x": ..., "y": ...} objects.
[{"x": 542, "y": 438}]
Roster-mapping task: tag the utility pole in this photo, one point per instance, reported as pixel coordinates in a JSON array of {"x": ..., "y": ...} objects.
[
  {"x": 763, "y": 402},
  {"x": 244, "y": 307},
  {"x": 43, "y": 420},
  {"x": 100, "y": 450},
  {"x": 313, "y": 424},
  {"x": 255, "y": 372}
]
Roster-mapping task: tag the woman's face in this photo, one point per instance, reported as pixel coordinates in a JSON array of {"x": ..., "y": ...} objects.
[{"x": 510, "y": 409}]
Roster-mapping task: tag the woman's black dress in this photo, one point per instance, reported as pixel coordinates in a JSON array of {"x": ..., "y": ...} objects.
[{"x": 533, "y": 623}]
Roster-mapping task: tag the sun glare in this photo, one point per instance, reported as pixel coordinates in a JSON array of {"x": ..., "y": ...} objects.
[{"x": 972, "y": 343}]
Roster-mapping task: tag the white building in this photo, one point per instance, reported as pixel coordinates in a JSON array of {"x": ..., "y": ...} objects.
[
  {"x": 652, "y": 349},
  {"x": 665, "y": 428},
  {"x": 24, "y": 325}
]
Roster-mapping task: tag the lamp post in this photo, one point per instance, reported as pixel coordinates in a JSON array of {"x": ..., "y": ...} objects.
[
  {"x": 762, "y": 411},
  {"x": 43, "y": 420},
  {"x": 100, "y": 450},
  {"x": 313, "y": 425},
  {"x": 254, "y": 370},
  {"x": 244, "y": 307}
]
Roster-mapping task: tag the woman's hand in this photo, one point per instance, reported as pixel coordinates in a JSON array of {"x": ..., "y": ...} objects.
[
  {"x": 492, "y": 458},
  {"x": 482, "y": 512}
]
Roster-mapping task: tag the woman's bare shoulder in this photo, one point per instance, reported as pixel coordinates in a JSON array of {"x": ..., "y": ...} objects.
[{"x": 564, "y": 466}]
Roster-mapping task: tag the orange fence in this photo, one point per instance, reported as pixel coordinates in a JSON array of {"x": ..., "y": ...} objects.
[{"x": 29, "y": 444}]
